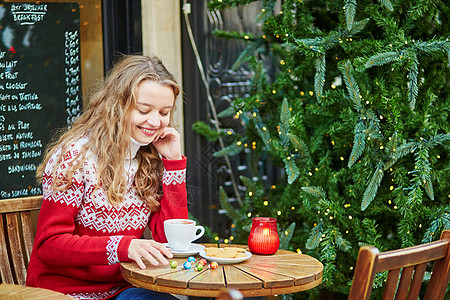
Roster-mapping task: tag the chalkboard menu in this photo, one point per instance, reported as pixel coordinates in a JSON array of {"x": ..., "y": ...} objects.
[{"x": 40, "y": 86}]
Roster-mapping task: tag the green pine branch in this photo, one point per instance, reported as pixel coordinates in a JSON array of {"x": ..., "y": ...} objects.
[
  {"x": 285, "y": 116},
  {"x": 359, "y": 143},
  {"x": 249, "y": 184},
  {"x": 267, "y": 9},
  {"x": 262, "y": 130},
  {"x": 319, "y": 78},
  {"x": 308, "y": 45},
  {"x": 314, "y": 237},
  {"x": 440, "y": 222},
  {"x": 260, "y": 76},
  {"x": 350, "y": 11},
  {"x": 382, "y": 59},
  {"x": 438, "y": 139},
  {"x": 299, "y": 144},
  {"x": 371, "y": 234},
  {"x": 291, "y": 169},
  {"x": 232, "y": 212},
  {"x": 413, "y": 199},
  {"x": 413, "y": 89},
  {"x": 422, "y": 170},
  {"x": 372, "y": 188},
  {"x": 226, "y": 112},
  {"x": 405, "y": 233},
  {"x": 357, "y": 27},
  {"x": 433, "y": 46},
  {"x": 387, "y": 4},
  {"x": 338, "y": 240},
  {"x": 398, "y": 153},
  {"x": 202, "y": 128},
  {"x": 286, "y": 236},
  {"x": 316, "y": 191},
  {"x": 247, "y": 54},
  {"x": 229, "y": 150},
  {"x": 350, "y": 82}
]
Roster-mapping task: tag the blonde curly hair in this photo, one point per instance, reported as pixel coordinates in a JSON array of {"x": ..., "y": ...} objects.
[{"x": 107, "y": 121}]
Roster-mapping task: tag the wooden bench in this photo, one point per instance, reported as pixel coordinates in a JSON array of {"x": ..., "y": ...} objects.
[{"x": 16, "y": 237}]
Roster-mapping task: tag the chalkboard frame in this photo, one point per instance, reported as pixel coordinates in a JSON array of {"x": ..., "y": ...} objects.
[{"x": 91, "y": 49}]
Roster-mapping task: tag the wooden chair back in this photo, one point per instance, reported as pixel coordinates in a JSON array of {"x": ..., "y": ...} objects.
[
  {"x": 16, "y": 238},
  {"x": 411, "y": 263}
]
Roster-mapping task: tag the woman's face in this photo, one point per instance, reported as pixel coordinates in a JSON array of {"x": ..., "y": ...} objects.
[{"x": 151, "y": 114}]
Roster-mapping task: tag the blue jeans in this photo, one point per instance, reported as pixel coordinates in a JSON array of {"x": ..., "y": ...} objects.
[{"x": 143, "y": 294}]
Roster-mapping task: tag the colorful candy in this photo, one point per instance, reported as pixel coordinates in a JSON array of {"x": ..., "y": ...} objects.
[
  {"x": 214, "y": 265},
  {"x": 191, "y": 259},
  {"x": 173, "y": 264},
  {"x": 198, "y": 267},
  {"x": 187, "y": 265},
  {"x": 203, "y": 261}
]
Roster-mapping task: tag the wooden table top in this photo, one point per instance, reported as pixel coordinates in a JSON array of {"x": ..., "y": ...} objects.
[
  {"x": 284, "y": 272},
  {"x": 20, "y": 292}
]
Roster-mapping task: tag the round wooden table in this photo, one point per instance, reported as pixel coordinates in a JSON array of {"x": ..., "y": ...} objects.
[
  {"x": 284, "y": 272},
  {"x": 20, "y": 292}
]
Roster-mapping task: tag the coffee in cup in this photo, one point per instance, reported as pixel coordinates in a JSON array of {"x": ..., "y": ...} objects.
[{"x": 180, "y": 233}]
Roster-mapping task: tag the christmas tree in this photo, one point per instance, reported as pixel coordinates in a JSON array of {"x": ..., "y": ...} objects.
[{"x": 355, "y": 113}]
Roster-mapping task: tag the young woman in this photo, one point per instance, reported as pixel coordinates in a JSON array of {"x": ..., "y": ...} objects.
[{"x": 117, "y": 170}]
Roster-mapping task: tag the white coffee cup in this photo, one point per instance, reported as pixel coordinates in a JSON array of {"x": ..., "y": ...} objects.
[{"x": 180, "y": 233}]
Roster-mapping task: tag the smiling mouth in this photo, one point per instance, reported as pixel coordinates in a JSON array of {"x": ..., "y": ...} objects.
[{"x": 147, "y": 131}]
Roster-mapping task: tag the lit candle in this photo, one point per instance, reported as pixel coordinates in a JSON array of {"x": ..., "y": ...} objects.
[{"x": 263, "y": 238}]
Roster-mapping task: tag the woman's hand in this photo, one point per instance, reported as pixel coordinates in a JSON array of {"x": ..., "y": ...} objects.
[
  {"x": 168, "y": 143},
  {"x": 150, "y": 250}
]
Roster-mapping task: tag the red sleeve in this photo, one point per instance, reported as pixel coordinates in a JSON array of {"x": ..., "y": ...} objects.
[
  {"x": 174, "y": 199},
  {"x": 56, "y": 242}
]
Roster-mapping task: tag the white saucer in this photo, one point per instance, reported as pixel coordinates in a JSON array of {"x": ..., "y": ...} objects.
[
  {"x": 194, "y": 249},
  {"x": 226, "y": 261}
]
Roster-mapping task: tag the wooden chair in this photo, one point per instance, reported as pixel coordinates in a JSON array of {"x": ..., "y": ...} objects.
[
  {"x": 16, "y": 238},
  {"x": 408, "y": 261}
]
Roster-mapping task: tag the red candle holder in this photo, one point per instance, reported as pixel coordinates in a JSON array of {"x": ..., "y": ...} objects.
[{"x": 263, "y": 238}]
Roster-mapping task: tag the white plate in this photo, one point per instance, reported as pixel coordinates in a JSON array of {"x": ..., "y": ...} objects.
[
  {"x": 225, "y": 261},
  {"x": 194, "y": 249}
]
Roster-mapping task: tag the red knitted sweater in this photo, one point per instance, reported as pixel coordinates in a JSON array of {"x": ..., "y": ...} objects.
[{"x": 81, "y": 238}]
